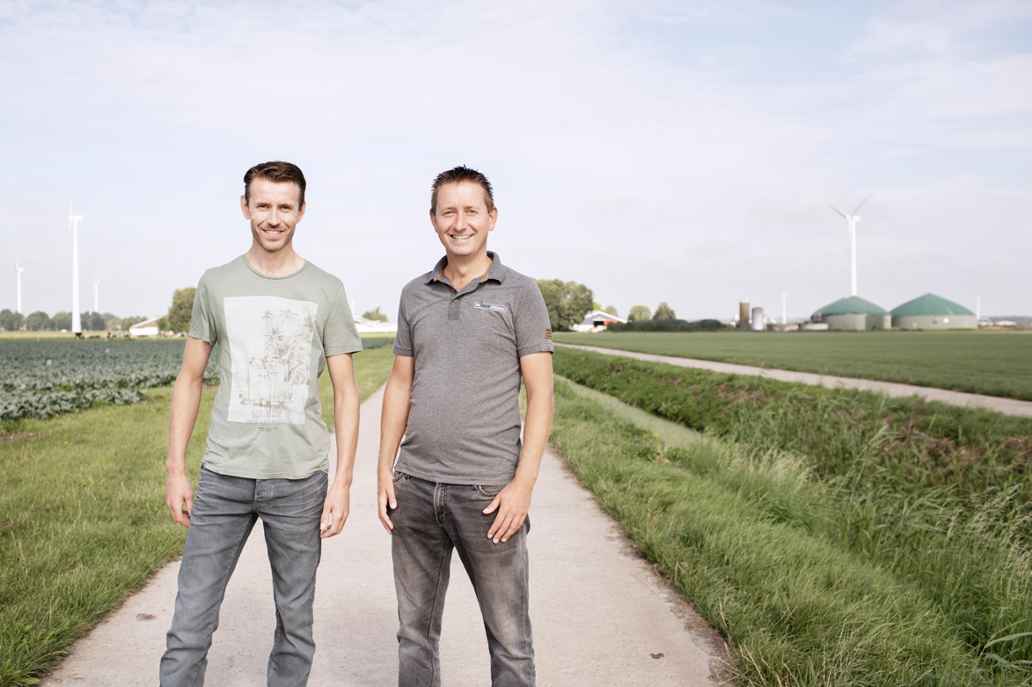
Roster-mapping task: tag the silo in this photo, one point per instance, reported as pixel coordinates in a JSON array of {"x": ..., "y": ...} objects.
[
  {"x": 743, "y": 315},
  {"x": 933, "y": 312},
  {"x": 759, "y": 320}
]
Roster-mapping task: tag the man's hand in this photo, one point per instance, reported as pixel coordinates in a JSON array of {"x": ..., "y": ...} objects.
[
  {"x": 512, "y": 504},
  {"x": 385, "y": 498},
  {"x": 335, "y": 510},
  {"x": 179, "y": 498}
]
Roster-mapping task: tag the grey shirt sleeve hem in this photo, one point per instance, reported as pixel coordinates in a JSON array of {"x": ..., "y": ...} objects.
[
  {"x": 540, "y": 347},
  {"x": 342, "y": 350}
]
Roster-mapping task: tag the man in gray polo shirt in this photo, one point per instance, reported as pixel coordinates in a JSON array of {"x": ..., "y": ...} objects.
[{"x": 468, "y": 332}]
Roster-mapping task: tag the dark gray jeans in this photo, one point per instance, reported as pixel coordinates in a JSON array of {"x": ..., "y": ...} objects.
[
  {"x": 225, "y": 510},
  {"x": 430, "y": 521}
]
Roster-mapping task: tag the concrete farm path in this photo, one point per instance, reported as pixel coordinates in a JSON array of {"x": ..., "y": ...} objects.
[
  {"x": 1007, "y": 406},
  {"x": 601, "y": 615}
]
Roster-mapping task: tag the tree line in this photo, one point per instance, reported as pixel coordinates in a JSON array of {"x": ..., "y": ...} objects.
[{"x": 40, "y": 321}]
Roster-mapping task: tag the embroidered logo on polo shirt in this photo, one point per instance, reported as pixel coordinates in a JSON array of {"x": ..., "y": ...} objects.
[{"x": 493, "y": 307}]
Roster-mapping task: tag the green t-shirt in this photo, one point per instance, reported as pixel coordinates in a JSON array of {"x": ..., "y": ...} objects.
[{"x": 273, "y": 336}]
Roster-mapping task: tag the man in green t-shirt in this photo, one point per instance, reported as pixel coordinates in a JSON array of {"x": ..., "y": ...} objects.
[{"x": 277, "y": 321}]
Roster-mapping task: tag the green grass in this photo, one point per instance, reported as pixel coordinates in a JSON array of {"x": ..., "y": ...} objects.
[
  {"x": 993, "y": 363},
  {"x": 810, "y": 583},
  {"x": 83, "y": 521},
  {"x": 913, "y": 445}
]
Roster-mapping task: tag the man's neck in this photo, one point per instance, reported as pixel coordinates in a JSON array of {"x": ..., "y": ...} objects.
[
  {"x": 282, "y": 263},
  {"x": 462, "y": 269}
]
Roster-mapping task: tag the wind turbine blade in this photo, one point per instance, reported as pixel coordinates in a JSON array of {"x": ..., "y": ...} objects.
[
  {"x": 844, "y": 215},
  {"x": 862, "y": 203}
]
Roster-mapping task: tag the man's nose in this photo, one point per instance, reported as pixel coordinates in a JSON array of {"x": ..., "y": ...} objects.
[{"x": 273, "y": 218}]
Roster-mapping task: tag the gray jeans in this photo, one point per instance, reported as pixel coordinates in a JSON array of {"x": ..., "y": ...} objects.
[
  {"x": 225, "y": 510},
  {"x": 430, "y": 521}
]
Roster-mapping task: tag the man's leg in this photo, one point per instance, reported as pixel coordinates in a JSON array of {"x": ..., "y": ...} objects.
[
  {"x": 222, "y": 518},
  {"x": 291, "y": 510},
  {"x": 500, "y": 576},
  {"x": 421, "y": 551}
]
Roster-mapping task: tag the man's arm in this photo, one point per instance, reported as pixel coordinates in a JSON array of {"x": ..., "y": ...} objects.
[
  {"x": 186, "y": 399},
  {"x": 345, "y": 424},
  {"x": 393, "y": 421},
  {"x": 513, "y": 502}
]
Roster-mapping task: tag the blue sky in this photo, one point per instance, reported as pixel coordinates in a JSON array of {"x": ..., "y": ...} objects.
[{"x": 648, "y": 151}]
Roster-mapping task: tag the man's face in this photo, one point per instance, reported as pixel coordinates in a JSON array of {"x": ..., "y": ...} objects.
[
  {"x": 274, "y": 209},
  {"x": 462, "y": 220}
]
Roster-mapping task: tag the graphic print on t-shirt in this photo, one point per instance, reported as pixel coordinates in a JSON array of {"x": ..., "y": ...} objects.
[{"x": 270, "y": 343}]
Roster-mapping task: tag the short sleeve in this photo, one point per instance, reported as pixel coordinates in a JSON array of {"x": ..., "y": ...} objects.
[
  {"x": 403, "y": 339},
  {"x": 533, "y": 330},
  {"x": 339, "y": 334},
  {"x": 202, "y": 318}
]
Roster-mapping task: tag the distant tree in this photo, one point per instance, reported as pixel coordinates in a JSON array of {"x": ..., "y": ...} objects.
[
  {"x": 375, "y": 315},
  {"x": 61, "y": 320},
  {"x": 163, "y": 325},
  {"x": 611, "y": 309},
  {"x": 11, "y": 321},
  {"x": 567, "y": 302},
  {"x": 92, "y": 321},
  {"x": 111, "y": 321},
  {"x": 37, "y": 321},
  {"x": 179, "y": 313},
  {"x": 131, "y": 320},
  {"x": 639, "y": 312},
  {"x": 664, "y": 312}
]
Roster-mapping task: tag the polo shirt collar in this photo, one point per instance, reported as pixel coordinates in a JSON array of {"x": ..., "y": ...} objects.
[{"x": 496, "y": 272}]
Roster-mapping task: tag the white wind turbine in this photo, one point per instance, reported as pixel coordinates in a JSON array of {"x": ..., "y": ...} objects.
[
  {"x": 19, "y": 269},
  {"x": 73, "y": 222},
  {"x": 852, "y": 219}
]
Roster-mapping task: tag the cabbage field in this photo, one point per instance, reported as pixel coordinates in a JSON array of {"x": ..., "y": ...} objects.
[
  {"x": 40, "y": 378},
  {"x": 47, "y": 377}
]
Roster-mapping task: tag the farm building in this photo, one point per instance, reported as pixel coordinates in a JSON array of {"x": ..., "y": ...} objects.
[
  {"x": 933, "y": 312},
  {"x": 145, "y": 328},
  {"x": 853, "y": 314},
  {"x": 597, "y": 321}
]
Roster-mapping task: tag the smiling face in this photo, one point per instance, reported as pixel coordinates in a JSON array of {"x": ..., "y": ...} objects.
[
  {"x": 462, "y": 219},
  {"x": 273, "y": 209}
]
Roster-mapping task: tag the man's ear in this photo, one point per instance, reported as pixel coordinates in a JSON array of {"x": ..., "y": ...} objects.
[{"x": 243, "y": 207}]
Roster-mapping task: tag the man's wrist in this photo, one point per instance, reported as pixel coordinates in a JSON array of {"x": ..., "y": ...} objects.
[{"x": 175, "y": 469}]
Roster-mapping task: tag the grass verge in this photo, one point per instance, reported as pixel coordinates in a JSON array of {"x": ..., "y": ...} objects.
[
  {"x": 777, "y": 561},
  {"x": 83, "y": 521}
]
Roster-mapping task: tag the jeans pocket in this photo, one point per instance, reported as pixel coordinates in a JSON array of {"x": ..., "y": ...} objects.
[
  {"x": 400, "y": 477},
  {"x": 488, "y": 491}
]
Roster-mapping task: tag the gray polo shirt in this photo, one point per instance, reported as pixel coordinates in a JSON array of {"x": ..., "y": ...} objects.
[{"x": 464, "y": 417}]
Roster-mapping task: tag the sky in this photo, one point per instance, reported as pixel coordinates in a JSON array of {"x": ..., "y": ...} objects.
[{"x": 654, "y": 151}]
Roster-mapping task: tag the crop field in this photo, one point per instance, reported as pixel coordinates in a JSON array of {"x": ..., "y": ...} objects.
[
  {"x": 82, "y": 514},
  {"x": 831, "y": 536},
  {"x": 993, "y": 363},
  {"x": 47, "y": 377}
]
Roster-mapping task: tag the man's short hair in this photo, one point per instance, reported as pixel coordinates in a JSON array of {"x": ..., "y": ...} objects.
[
  {"x": 276, "y": 171},
  {"x": 454, "y": 176}
]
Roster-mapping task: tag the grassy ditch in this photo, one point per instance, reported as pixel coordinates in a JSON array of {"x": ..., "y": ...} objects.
[
  {"x": 796, "y": 573},
  {"x": 83, "y": 521},
  {"x": 906, "y": 444},
  {"x": 936, "y": 495}
]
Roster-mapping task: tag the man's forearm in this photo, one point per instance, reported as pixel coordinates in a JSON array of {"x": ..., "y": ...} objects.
[
  {"x": 393, "y": 421},
  {"x": 186, "y": 401},
  {"x": 536, "y": 429},
  {"x": 345, "y": 424}
]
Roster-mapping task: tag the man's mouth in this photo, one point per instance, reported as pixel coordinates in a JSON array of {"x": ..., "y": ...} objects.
[{"x": 460, "y": 237}]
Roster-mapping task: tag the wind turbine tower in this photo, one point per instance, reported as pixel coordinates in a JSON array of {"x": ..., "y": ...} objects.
[
  {"x": 852, "y": 219},
  {"x": 73, "y": 222},
  {"x": 20, "y": 269}
]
